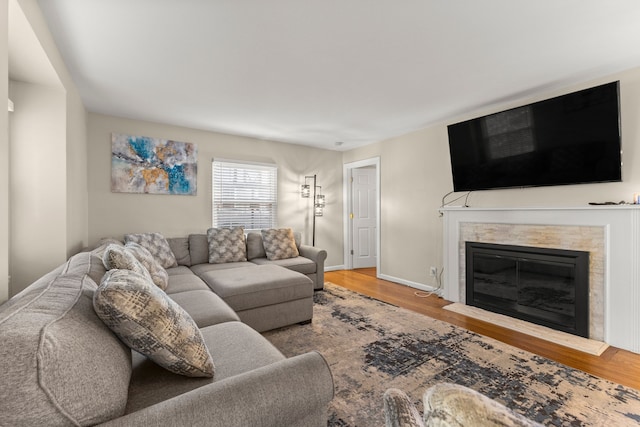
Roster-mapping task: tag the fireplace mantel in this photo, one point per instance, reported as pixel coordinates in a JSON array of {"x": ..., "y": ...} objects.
[{"x": 621, "y": 227}]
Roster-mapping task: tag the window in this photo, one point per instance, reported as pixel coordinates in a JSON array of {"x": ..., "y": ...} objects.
[{"x": 244, "y": 194}]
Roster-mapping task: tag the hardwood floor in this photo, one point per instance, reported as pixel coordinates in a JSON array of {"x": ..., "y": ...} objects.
[{"x": 614, "y": 364}]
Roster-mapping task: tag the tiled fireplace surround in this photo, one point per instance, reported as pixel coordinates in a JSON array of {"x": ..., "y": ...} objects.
[{"x": 610, "y": 234}]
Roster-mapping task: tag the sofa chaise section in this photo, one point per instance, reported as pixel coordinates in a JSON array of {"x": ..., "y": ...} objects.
[{"x": 265, "y": 297}]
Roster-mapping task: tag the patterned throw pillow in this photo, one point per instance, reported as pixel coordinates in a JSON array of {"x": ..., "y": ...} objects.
[
  {"x": 279, "y": 243},
  {"x": 118, "y": 257},
  {"x": 150, "y": 322},
  {"x": 226, "y": 245},
  {"x": 157, "y": 245},
  {"x": 158, "y": 274}
]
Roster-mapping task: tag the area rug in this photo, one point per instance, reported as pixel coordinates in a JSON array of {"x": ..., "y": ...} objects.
[{"x": 371, "y": 346}]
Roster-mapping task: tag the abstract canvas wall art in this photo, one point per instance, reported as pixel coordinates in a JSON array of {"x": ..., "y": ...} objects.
[{"x": 141, "y": 164}]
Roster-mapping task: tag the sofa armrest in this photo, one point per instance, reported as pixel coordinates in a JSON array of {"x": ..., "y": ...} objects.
[
  {"x": 318, "y": 256},
  {"x": 291, "y": 392}
]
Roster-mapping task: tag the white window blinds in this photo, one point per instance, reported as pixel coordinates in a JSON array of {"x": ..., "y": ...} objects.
[{"x": 244, "y": 194}]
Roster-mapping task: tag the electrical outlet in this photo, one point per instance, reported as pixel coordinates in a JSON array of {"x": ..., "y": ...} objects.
[{"x": 433, "y": 271}]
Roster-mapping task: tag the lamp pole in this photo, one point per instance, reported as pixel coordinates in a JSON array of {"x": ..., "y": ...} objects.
[{"x": 313, "y": 212}]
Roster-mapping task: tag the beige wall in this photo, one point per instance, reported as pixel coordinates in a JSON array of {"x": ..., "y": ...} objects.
[
  {"x": 38, "y": 202},
  {"x": 4, "y": 152},
  {"x": 77, "y": 221},
  {"x": 413, "y": 178},
  {"x": 416, "y": 174},
  {"x": 46, "y": 195},
  {"x": 114, "y": 214}
]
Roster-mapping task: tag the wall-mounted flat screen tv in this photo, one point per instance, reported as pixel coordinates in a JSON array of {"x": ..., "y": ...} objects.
[{"x": 570, "y": 139}]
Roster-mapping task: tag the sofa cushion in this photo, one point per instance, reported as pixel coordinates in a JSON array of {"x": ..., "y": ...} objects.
[
  {"x": 200, "y": 269},
  {"x": 157, "y": 245},
  {"x": 97, "y": 268},
  {"x": 198, "y": 249},
  {"x": 156, "y": 271},
  {"x": 180, "y": 270},
  {"x": 300, "y": 264},
  {"x": 205, "y": 307},
  {"x": 235, "y": 347},
  {"x": 148, "y": 321},
  {"x": 255, "y": 248},
  {"x": 226, "y": 245},
  {"x": 184, "y": 283},
  {"x": 279, "y": 243},
  {"x": 259, "y": 286},
  {"x": 60, "y": 364},
  {"x": 118, "y": 257},
  {"x": 180, "y": 248}
]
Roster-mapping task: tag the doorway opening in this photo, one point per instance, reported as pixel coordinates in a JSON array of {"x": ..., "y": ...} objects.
[{"x": 362, "y": 214}]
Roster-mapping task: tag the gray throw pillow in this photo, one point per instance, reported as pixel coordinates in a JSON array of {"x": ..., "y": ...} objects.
[
  {"x": 150, "y": 322},
  {"x": 157, "y": 245},
  {"x": 118, "y": 257},
  {"x": 158, "y": 274},
  {"x": 279, "y": 243},
  {"x": 226, "y": 245}
]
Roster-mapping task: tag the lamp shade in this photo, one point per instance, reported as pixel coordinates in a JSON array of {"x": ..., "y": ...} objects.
[{"x": 306, "y": 190}]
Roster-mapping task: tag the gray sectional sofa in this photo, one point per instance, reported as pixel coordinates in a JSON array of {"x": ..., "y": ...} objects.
[
  {"x": 61, "y": 365},
  {"x": 265, "y": 298}
]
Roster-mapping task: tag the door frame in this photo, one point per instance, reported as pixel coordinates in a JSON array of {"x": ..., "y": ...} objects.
[{"x": 347, "y": 200}]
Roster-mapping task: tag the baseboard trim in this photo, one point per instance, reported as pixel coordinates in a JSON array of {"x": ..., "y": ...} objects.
[
  {"x": 409, "y": 283},
  {"x": 334, "y": 268}
]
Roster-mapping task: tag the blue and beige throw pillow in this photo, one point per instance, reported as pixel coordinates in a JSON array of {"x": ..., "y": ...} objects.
[
  {"x": 157, "y": 245},
  {"x": 150, "y": 322},
  {"x": 226, "y": 245},
  {"x": 158, "y": 273},
  {"x": 279, "y": 243}
]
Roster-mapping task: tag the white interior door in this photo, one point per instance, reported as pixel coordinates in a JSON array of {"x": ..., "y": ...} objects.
[{"x": 364, "y": 217}]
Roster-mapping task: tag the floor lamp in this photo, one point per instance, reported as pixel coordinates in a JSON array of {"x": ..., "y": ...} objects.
[{"x": 318, "y": 200}]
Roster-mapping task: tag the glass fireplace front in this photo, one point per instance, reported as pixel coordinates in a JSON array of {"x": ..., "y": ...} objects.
[{"x": 549, "y": 287}]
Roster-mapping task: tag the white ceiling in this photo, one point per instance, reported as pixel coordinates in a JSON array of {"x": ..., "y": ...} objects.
[{"x": 316, "y": 72}]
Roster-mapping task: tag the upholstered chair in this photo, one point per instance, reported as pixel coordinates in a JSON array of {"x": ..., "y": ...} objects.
[{"x": 450, "y": 405}]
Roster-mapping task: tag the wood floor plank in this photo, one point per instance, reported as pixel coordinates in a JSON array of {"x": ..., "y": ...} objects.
[{"x": 614, "y": 364}]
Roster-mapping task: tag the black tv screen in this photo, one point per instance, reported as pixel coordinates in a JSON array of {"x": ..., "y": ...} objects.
[{"x": 570, "y": 139}]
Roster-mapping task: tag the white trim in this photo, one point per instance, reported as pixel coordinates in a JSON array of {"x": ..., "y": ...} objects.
[
  {"x": 346, "y": 190},
  {"x": 622, "y": 248},
  {"x": 334, "y": 268},
  {"x": 409, "y": 283},
  {"x": 243, "y": 162}
]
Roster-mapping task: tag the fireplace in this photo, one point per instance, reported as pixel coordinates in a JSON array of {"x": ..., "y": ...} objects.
[{"x": 549, "y": 287}]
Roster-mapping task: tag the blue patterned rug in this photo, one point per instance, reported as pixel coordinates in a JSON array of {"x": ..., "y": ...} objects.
[{"x": 371, "y": 346}]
